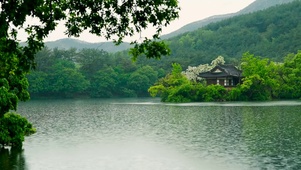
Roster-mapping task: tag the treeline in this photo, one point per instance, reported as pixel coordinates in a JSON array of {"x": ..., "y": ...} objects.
[
  {"x": 273, "y": 33},
  {"x": 89, "y": 73},
  {"x": 263, "y": 80}
]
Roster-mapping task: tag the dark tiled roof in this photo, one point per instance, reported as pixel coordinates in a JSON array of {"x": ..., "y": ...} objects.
[{"x": 226, "y": 70}]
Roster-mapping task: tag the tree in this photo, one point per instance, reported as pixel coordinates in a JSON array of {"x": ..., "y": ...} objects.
[
  {"x": 291, "y": 77},
  {"x": 149, "y": 72},
  {"x": 142, "y": 79},
  {"x": 39, "y": 83},
  {"x": 215, "y": 93},
  {"x": 107, "y": 18},
  {"x": 260, "y": 82},
  {"x": 44, "y": 60},
  {"x": 103, "y": 83},
  {"x": 65, "y": 80},
  {"x": 13, "y": 128},
  {"x": 139, "y": 83},
  {"x": 174, "y": 87},
  {"x": 92, "y": 60},
  {"x": 192, "y": 72}
]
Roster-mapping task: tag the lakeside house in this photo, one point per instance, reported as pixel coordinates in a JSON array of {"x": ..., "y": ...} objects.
[{"x": 225, "y": 75}]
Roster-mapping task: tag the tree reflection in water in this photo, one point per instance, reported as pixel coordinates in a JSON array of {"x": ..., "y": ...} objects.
[
  {"x": 273, "y": 135},
  {"x": 12, "y": 159}
]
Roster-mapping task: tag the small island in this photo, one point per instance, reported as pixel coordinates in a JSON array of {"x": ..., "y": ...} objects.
[{"x": 254, "y": 79}]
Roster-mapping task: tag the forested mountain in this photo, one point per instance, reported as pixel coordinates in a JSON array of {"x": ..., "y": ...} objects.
[
  {"x": 68, "y": 43},
  {"x": 271, "y": 33},
  {"x": 255, "y": 6}
]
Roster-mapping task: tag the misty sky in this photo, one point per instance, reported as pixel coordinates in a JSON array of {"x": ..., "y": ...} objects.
[{"x": 191, "y": 10}]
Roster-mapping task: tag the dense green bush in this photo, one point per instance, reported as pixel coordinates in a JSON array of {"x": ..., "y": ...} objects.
[
  {"x": 215, "y": 93},
  {"x": 13, "y": 129},
  {"x": 174, "y": 87},
  {"x": 181, "y": 94},
  {"x": 235, "y": 94}
]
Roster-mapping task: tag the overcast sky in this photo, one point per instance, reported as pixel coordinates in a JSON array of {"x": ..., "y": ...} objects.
[{"x": 191, "y": 10}]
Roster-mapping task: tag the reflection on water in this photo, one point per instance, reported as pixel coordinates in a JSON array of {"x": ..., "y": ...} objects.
[
  {"x": 146, "y": 134},
  {"x": 273, "y": 136},
  {"x": 11, "y": 159}
]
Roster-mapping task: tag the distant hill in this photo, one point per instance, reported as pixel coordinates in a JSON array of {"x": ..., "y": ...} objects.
[
  {"x": 255, "y": 6},
  {"x": 68, "y": 43},
  {"x": 261, "y": 5},
  {"x": 272, "y": 33},
  {"x": 196, "y": 25}
]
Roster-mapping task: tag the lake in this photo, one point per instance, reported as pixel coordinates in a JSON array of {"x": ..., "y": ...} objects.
[{"x": 145, "y": 134}]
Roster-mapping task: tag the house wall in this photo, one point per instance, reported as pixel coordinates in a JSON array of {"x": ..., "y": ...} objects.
[
  {"x": 211, "y": 81},
  {"x": 230, "y": 81},
  {"x": 221, "y": 82}
]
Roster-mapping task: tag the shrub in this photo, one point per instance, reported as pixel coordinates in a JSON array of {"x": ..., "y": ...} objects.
[
  {"x": 182, "y": 93},
  {"x": 236, "y": 94},
  {"x": 215, "y": 93},
  {"x": 13, "y": 128},
  {"x": 200, "y": 92}
]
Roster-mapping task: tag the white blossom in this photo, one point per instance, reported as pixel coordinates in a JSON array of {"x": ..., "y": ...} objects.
[
  {"x": 218, "y": 61},
  {"x": 192, "y": 72}
]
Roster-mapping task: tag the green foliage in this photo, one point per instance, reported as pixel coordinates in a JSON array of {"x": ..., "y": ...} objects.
[
  {"x": 103, "y": 83},
  {"x": 235, "y": 94},
  {"x": 258, "y": 83},
  {"x": 68, "y": 81},
  {"x": 254, "y": 88},
  {"x": 13, "y": 83},
  {"x": 175, "y": 87},
  {"x": 138, "y": 82},
  {"x": 266, "y": 80},
  {"x": 38, "y": 82},
  {"x": 13, "y": 128},
  {"x": 89, "y": 72},
  {"x": 157, "y": 90},
  {"x": 151, "y": 49},
  {"x": 290, "y": 77},
  {"x": 141, "y": 79},
  {"x": 263, "y": 80},
  {"x": 181, "y": 93},
  {"x": 8, "y": 99},
  {"x": 92, "y": 60},
  {"x": 62, "y": 78},
  {"x": 215, "y": 93}
]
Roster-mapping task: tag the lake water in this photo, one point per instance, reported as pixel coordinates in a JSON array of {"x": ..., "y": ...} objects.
[{"x": 145, "y": 134}]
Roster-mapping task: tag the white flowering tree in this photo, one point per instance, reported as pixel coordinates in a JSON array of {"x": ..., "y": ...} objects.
[{"x": 192, "y": 72}]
